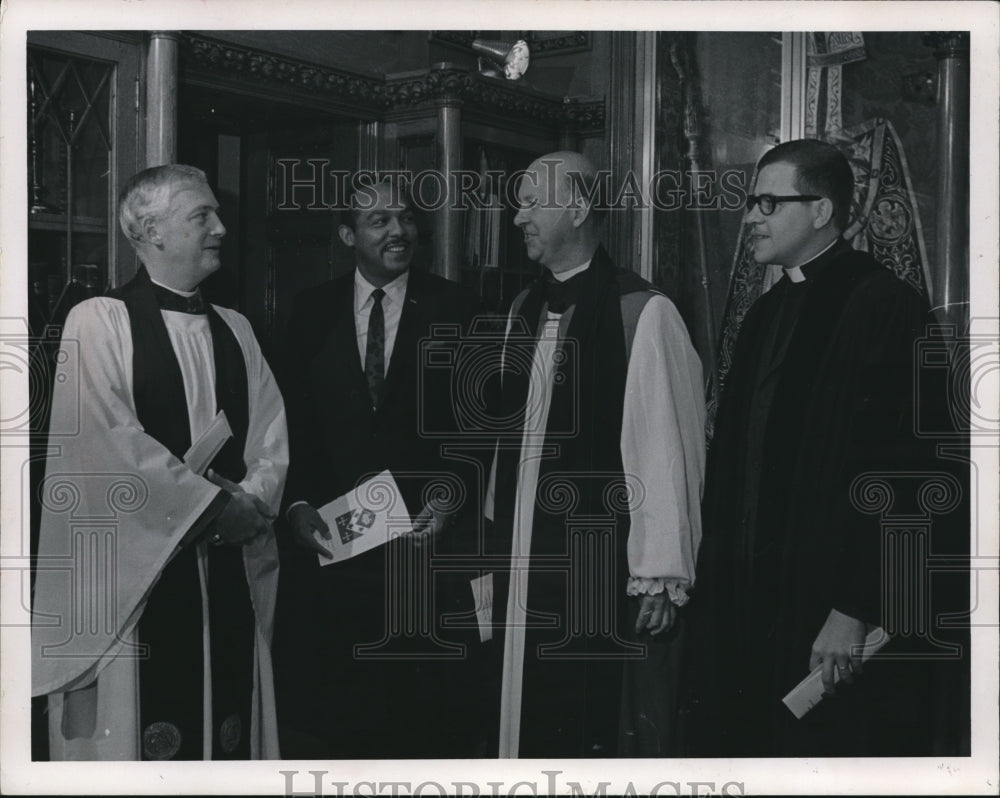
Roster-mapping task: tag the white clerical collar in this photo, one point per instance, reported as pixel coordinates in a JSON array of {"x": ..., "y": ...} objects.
[
  {"x": 562, "y": 277},
  {"x": 395, "y": 290},
  {"x": 174, "y": 290},
  {"x": 795, "y": 273}
]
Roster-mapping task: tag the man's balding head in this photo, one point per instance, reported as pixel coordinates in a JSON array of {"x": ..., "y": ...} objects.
[{"x": 556, "y": 196}]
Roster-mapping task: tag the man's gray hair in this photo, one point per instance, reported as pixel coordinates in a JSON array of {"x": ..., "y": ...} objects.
[{"x": 147, "y": 195}]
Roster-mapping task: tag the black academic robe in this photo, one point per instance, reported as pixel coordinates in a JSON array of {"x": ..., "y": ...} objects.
[
  {"x": 816, "y": 398},
  {"x": 362, "y": 667}
]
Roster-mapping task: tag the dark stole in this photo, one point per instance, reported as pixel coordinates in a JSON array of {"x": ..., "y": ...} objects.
[{"x": 585, "y": 414}]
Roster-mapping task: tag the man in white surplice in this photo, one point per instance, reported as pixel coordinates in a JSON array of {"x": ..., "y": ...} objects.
[
  {"x": 155, "y": 587},
  {"x": 596, "y": 494}
]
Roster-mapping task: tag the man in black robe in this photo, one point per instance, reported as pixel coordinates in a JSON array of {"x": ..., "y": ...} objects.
[{"x": 791, "y": 575}]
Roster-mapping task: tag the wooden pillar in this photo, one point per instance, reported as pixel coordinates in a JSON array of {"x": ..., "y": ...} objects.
[
  {"x": 370, "y": 156},
  {"x": 622, "y": 244},
  {"x": 793, "y": 86},
  {"x": 644, "y": 150},
  {"x": 949, "y": 290},
  {"x": 161, "y": 98},
  {"x": 448, "y": 219}
]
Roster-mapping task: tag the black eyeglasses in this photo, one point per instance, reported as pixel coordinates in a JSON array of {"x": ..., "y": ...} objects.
[{"x": 768, "y": 202}]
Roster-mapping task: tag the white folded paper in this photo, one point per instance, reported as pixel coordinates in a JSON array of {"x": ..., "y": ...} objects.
[
  {"x": 482, "y": 592},
  {"x": 809, "y": 692},
  {"x": 209, "y": 443},
  {"x": 364, "y": 518}
]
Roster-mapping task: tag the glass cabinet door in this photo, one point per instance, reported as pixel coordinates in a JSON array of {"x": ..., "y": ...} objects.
[{"x": 82, "y": 129}]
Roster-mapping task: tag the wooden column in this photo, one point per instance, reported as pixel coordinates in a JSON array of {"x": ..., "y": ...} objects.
[
  {"x": 950, "y": 272},
  {"x": 643, "y": 150},
  {"x": 370, "y": 155},
  {"x": 621, "y": 242},
  {"x": 448, "y": 220},
  {"x": 161, "y": 98},
  {"x": 793, "y": 86}
]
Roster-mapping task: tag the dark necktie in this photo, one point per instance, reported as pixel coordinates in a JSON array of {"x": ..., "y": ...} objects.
[
  {"x": 560, "y": 295},
  {"x": 375, "y": 353},
  {"x": 168, "y": 300}
]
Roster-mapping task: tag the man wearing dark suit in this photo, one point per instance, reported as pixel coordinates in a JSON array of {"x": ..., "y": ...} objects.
[{"x": 361, "y": 674}]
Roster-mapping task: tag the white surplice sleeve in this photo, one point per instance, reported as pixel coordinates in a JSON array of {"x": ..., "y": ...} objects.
[
  {"x": 115, "y": 505},
  {"x": 663, "y": 453}
]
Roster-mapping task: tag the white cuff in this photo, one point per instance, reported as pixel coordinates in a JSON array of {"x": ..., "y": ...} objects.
[{"x": 652, "y": 586}]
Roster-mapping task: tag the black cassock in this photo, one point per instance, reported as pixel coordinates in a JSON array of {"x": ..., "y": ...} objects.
[{"x": 820, "y": 398}]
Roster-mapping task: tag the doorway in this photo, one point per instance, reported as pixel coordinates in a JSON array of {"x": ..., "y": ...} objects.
[{"x": 270, "y": 164}]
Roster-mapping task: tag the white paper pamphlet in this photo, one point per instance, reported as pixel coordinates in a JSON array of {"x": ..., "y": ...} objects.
[
  {"x": 482, "y": 592},
  {"x": 363, "y": 519},
  {"x": 209, "y": 443}
]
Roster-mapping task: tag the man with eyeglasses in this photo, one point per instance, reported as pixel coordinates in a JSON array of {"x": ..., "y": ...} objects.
[{"x": 819, "y": 393}]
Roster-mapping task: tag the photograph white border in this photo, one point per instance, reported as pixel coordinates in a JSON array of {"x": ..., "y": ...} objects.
[{"x": 976, "y": 774}]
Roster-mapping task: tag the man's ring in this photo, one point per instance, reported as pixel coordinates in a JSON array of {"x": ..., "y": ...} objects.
[
  {"x": 842, "y": 667},
  {"x": 216, "y": 539}
]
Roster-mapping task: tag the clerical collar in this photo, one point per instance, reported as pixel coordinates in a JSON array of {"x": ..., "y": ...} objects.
[
  {"x": 561, "y": 289},
  {"x": 562, "y": 277},
  {"x": 799, "y": 274},
  {"x": 174, "y": 299}
]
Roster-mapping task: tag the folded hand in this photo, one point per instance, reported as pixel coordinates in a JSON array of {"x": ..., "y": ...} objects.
[
  {"x": 244, "y": 518},
  {"x": 838, "y": 646},
  {"x": 656, "y": 614}
]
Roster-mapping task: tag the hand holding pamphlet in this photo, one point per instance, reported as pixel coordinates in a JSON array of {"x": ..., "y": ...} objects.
[
  {"x": 363, "y": 519},
  {"x": 809, "y": 692}
]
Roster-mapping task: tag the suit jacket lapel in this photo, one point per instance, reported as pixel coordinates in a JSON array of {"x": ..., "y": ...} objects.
[
  {"x": 409, "y": 330},
  {"x": 345, "y": 338}
]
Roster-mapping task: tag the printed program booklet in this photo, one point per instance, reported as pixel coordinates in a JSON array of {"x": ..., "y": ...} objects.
[{"x": 362, "y": 519}]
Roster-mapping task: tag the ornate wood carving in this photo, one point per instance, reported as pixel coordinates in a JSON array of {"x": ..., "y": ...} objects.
[
  {"x": 257, "y": 66},
  {"x": 569, "y": 42},
  {"x": 445, "y": 83}
]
